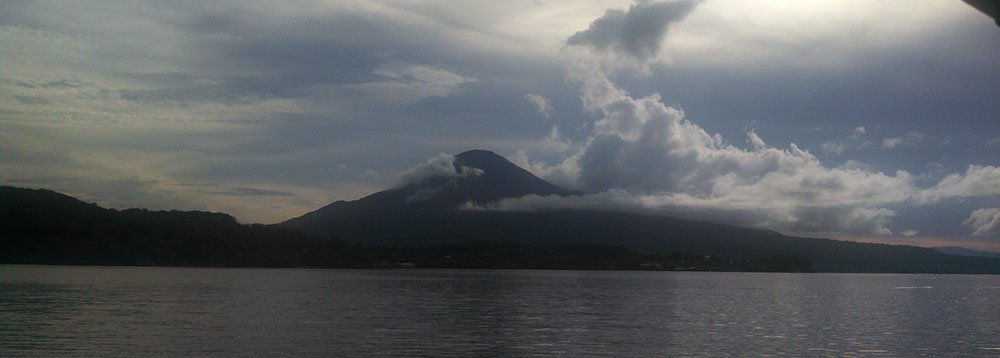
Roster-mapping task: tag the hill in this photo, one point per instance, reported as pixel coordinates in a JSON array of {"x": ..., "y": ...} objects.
[
  {"x": 46, "y": 227},
  {"x": 961, "y": 251}
]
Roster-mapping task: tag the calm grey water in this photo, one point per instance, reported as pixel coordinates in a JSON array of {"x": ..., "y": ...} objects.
[{"x": 119, "y": 311}]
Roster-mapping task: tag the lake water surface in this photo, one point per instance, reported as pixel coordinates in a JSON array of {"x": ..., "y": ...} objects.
[{"x": 129, "y": 311}]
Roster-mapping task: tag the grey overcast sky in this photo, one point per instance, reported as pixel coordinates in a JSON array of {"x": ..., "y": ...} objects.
[{"x": 867, "y": 120}]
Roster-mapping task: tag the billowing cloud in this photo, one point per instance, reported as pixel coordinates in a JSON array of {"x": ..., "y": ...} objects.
[
  {"x": 637, "y": 32},
  {"x": 648, "y": 154},
  {"x": 643, "y": 155},
  {"x": 540, "y": 103},
  {"x": 984, "y": 222},
  {"x": 978, "y": 180}
]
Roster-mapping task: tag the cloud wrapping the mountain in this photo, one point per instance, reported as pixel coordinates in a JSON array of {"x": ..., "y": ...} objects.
[
  {"x": 442, "y": 166},
  {"x": 984, "y": 222}
]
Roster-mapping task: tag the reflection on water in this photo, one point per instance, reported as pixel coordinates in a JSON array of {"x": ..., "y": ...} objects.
[{"x": 102, "y": 311}]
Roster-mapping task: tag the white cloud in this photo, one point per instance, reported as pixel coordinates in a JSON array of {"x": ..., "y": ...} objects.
[
  {"x": 855, "y": 141},
  {"x": 890, "y": 143},
  {"x": 555, "y": 142},
  {"x": 541, "y": 103},
  {"x": 911, "y": 139},
  {"x": 977, "y": 181},
  {"x": 642, "y": 155},
  {"x": 407, "y": 83},
  {"x": 984, "y": 222},
  {"x": 832, "y": 148},
  {"x": 564, "y": 174},
  {"x": 441, "y": 166}
]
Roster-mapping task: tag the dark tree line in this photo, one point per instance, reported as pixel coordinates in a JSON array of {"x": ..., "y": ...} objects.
[{"x": 45, "y": 227}]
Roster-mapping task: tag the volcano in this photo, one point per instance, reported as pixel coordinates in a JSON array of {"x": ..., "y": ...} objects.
[
  {"x": 480, "y": 177},
  {"x": 430, "y": 212}
]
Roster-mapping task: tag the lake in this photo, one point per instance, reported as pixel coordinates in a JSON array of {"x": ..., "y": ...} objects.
[{"x": 140, "y": 311}]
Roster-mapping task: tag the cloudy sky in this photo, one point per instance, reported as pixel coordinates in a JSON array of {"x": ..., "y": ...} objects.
[{"x": 849, "y": 119}]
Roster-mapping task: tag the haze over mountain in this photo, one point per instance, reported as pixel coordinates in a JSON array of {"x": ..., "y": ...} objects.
[{"x": 447, "y": 201}]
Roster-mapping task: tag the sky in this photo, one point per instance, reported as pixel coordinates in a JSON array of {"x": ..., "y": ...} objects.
[{"x": 862, "y": 120}]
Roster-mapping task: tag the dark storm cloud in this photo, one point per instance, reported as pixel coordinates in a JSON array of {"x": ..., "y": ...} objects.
[{"x": 638, "y": 32}]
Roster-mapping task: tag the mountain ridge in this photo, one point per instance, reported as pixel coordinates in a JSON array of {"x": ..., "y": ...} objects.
[
  {"x": 45, "y": 227},
  {"x": 386, "y": 218},
  {"x": 39, "y": 226}
]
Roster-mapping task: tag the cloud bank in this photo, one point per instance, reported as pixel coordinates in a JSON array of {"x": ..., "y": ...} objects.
[{"x": 643, "y": 155}]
